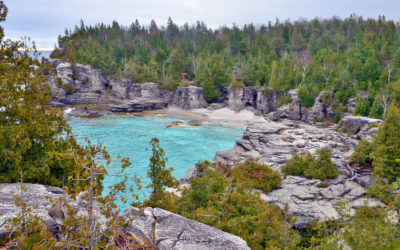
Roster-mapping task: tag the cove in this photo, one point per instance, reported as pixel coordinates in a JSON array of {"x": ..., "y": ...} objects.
[{"x": 129, "y": 136}]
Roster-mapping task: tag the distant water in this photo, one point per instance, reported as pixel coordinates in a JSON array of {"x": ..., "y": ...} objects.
[
  {"x": 42, "y": 53},
  {"x": 129, "y": 137}
]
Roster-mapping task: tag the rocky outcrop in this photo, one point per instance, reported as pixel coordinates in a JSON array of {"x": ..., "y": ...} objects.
[
  {"x": 275, "y": 143},
  {"x": 354, "y": 124},
  {"x": 81, "y": 84},
  {"x": 321, "y": 109},
  {"x": 351, "y": 105},
  {"x": 292, "y": 110},
  {"x": 307, "y": 201},
  {"x": 139, "y": 106},
  {"x": 163, "y": 229},
  {"x": 34, "y": 198},
  {"x": 188, "y": 98},
  {"x": 87, "y": 112},
  {"x": 171, "y": 231},
  {"x": 254, "y": 99}
]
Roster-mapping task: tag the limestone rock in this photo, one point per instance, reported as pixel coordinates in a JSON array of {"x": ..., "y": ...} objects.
[
  {"x": 292, "y": 111},
  {"x": 188, "y": 98},
  {"x": 171, "y": 231},
  {"x": 275, "y": 143},
  {"x": 87, "y": 112},
  {"x": 354, "y": 124},
  {"x": 351, "y": 105},
  {"x": 34, "y": 198},
  {"x": 254, "y": 99},
  {"x": 320, "y": 110}
]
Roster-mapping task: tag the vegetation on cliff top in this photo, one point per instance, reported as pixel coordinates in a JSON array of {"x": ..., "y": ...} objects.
[{"x": 352, "y": 57}]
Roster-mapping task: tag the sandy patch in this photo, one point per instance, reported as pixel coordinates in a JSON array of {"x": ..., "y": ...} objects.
[{"x": 225, "y": 116}]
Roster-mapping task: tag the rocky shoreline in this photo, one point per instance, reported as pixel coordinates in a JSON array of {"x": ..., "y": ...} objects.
[{"x": 273, "y": 136}]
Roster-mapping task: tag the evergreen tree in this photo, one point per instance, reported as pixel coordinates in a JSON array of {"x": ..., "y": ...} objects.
[
  {"x": 387, "y": 146},
  {"x": 35, "y": 139},
  {"x": 160, "y": 176}
]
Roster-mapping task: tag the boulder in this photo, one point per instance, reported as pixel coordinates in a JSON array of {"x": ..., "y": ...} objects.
[{"x": 167, "y": 230}]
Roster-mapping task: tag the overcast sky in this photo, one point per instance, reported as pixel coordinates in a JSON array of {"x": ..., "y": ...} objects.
[{"x": 44, "y": 20}]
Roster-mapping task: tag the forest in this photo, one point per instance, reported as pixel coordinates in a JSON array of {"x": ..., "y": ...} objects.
[{"x": 351, "y": 57}]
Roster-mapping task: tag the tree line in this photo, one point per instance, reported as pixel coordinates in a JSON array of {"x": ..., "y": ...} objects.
[{"x": 351, "y": 57}]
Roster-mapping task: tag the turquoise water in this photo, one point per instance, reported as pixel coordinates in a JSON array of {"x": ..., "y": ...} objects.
[{"x": 129, "y": 137}]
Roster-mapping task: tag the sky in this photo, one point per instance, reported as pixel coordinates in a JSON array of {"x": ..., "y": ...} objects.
[{"x": 44, "y": 20}]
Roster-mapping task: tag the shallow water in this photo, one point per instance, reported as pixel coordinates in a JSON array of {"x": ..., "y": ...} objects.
[{"x": 129, "y": 137}]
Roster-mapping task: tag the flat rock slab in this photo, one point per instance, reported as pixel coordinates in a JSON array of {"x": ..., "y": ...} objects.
[{"x": 167, "y": 230}]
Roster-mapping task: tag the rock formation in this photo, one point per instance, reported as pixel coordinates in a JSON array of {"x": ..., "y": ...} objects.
[
  {"x": 254, "y": 99},
  {"x": 163, "y": 229},
  {"x": 354, "y": 124},
  {"x": 81, "y": 84},
  {"x": 171, "y": 231},
  {"x": 275, "y": 143}
]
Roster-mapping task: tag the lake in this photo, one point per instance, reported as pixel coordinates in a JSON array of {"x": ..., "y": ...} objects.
[{"x": 130, "y": 136}]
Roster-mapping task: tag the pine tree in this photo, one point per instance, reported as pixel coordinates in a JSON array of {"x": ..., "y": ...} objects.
[
  {"x": 387, "y": 146},
  {"x": 160, "y": 176}
]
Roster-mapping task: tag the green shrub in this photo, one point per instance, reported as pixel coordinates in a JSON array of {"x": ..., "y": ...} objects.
[
  {"x": 324, "y": 184},
  {"x": 230, "y": 205},
  {"x": 337, "y": 118},
  {"x": 320, "y": 167},
  {"x": 373, "y": 125},
  {"x": 69, "y": 88},
  {"x": 382, "y": 190},
  {"x": 257, "y": 174},
  {"x": 362, "y": 154},
  {"x": 282, "y": 100},
  {"x": 236, "y": 84},
  {"x": 297, "y": 165}
]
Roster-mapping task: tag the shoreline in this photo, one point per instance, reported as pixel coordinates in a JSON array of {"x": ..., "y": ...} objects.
[{"x": 223, "y": 116}]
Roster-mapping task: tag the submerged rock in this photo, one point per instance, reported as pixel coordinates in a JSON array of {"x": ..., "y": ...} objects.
[
  {"x": 194, "y": 123},
  {"x": 174, "y": 124}
]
